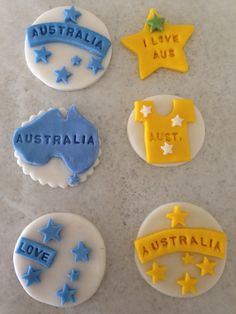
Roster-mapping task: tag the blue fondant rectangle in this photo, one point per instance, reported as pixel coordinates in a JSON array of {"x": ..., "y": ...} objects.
[{"x": 36, "y": 252}]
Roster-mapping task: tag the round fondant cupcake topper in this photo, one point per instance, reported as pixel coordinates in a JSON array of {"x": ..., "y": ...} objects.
[
  {"x": 60, "y": 259},
  {"x": 159, "y": 45},
  {"x": 50, "y": 135},
  {"x": 68, "y": 48},
  {"x": 180, "y": 250},
  {"x": 166, "y": 130}
]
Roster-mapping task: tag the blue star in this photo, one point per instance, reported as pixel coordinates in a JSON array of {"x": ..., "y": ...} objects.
[
  {"x": 81, "y": 252},
  {"x": 32, "y": 276},
  {"x": 51, "y": 231},
  {"x": 95, "y": 65},
  {"x": 66, "y": 294},
  {"x": 71, "y": 15},
  {"x": 75, "y": 61},
  {"x": 42, "y": 55},
  {"x": 73, "y": 275},
  {"x": 62, "y": 75}
]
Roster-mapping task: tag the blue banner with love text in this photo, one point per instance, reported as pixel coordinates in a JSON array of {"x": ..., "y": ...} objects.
[{"x": 95, "y": 43}]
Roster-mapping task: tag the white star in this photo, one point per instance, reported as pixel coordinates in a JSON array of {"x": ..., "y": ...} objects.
[
  {"x": 177, "y": 121},
  {"x": 167, "y": 149},
  {"x": 146, "y": 110}
]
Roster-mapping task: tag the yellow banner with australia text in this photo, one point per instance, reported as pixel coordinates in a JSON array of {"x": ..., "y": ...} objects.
[{"x": 203, "y": 241}]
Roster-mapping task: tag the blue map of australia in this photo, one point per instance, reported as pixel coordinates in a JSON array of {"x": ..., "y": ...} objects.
[{"x": 73, "y": 139}]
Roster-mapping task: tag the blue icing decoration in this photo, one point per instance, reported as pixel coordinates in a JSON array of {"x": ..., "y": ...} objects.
[
  {"x": 71, "y": 34},
  {"x": 75, "y": 61},
  {"x": 62, "y": 75},
  {"x": 73, "y": 275},
  {"x": 71, "y": 15},
  {"x": 95, "y": 65},
  {"x": 36, "y": 252},
  {"x": 32, "y": 276},
  {"x": 73, "y": 179},
  {"x": 81, "y": 252},
  {"x": 42, "y": 55},
  {"x": 66, "y": 294},
  {"x": 51, "y": 231},
  {"x": 73, "y": 139}
]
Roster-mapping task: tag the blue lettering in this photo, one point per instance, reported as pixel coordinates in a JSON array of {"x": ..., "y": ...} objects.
[
  {"x": 90, "y": 141},
  {"x": 52, "y": 30},
  {"x": 70, "y": 31},
  {"x": 34, "y": 33},
  {"x": 45, "y": 257},
  {"x": 47, "y": 138},
  {"x": 28, "y": 138},
  {"x": 56, "y": 139},
  {"x": 76, "y": 141},
  {"x": 37, "y": 139},
  {"x": 75, "y": 35},
  {"x": 37, "y": 252},
  {"x": 43, "y": 30},
  {"x": 19, "y": 139},
  {"x": 66, "y": 140}
]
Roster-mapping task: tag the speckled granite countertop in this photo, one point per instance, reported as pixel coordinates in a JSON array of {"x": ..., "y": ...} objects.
[{"x": 124, "y": 189}]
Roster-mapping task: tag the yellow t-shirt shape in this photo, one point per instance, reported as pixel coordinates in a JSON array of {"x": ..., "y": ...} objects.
[{"x": 166, "y": 137}]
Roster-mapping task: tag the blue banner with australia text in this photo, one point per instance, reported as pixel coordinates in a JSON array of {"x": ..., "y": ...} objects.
[{"x": 95, "y": 43}]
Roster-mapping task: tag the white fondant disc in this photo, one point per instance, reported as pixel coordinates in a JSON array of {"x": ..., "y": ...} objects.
[
  {"x": 62, "y": 53},
  {"x": 54, "y": 173},
  {"x": 75, "y": 229},
  {"x": 163, "y": 105},
  {"x": 175, "y": 267}
]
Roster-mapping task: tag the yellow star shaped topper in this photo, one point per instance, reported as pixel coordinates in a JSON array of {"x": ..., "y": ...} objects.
[
  {"x": 207, "y": 267},
  {"x": 177, "y": 217},
  {"x": 159, "y": 45},
  {"x": 157, "y": 272},
  {"x": 188, "y": 284}
]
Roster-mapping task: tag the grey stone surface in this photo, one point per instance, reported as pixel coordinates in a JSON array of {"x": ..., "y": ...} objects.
[{"x": 123, "y": 189}]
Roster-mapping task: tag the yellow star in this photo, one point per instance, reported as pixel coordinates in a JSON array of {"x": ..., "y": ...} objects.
[
  {"x": 188, "y": 284},
  {"x": 157, "y": 272},
  {"x": 159, "y": 49},
  {"x": 177, "y": 217},
  {"x": 187, "y": 259},
  {"x": 207, "y": 267}
]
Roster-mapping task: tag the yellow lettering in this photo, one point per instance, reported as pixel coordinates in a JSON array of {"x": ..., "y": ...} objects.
[
  {"x": 202, "y": 241},
  {"x": 152, "y": 137},
  {"x": 193, "y": 241},
  {"x": 145, "y": 251}
]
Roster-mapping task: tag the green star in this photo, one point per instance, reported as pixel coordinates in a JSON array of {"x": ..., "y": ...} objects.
[{"x": 156, "y": 23}]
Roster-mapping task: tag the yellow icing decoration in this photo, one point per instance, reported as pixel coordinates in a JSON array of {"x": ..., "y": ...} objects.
[
  {"x": 157, "y": 49},
  {"x": 166, "y": 137},
  {"x": 188, "y": 284},
  {"x": 157, "y": 273},
  {"x": 188, "y": 259},
  {"x": 207, "y": 267},
  {"x": 177, "y": 217},
  {"x": 203, "y": 241}
]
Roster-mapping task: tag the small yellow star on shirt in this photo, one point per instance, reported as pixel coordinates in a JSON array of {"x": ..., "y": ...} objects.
[
  {"x": 157, "y": 273},
  {"x": 207, "y": 267},
  {"x": 188, "y": 284},
  {"x": 188, "y": 259},
  {"x": 146, "y": 110},
  {"x": 159, "y": 48},
  {"x": 177, "y": 217}
]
